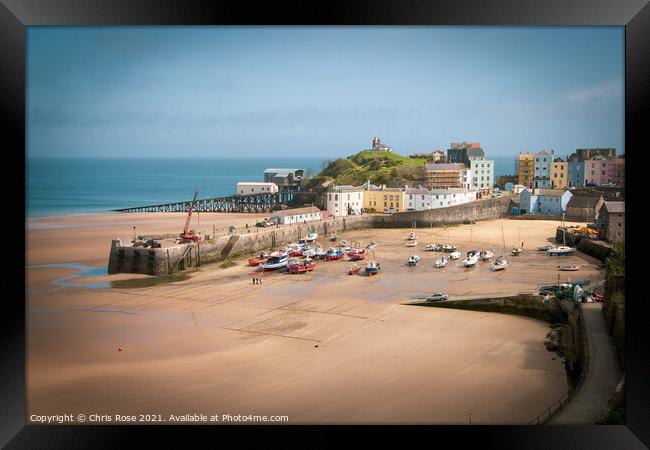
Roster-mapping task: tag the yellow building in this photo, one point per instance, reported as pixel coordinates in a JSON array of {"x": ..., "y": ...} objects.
[
  {"x": 383, "y": 199},
  {"x": 525, "y": 169},
  {"x": 559, "y": 174}
]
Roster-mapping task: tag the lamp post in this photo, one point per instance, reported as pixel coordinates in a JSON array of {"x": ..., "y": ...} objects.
[{"x": 134, "y": 235}]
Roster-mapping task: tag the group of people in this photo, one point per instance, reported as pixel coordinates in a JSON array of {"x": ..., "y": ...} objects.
[{"x": 257, "y": 280}]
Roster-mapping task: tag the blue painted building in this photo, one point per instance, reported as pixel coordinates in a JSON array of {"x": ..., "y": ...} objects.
[
  {"x": 544, "y": 201},
  {"x": 542, "y": 170},
  {"x": 576, "y": 173}
]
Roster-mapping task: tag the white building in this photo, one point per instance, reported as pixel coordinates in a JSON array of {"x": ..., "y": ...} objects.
[
  {"x": 442, "y": 198},
  {"x": 417, "y": 199},
  {"x": 345, "y": 200},
  {"x": 297, "y": 215},
  {"x": 482, "y": 172},
  {"x": 250, "y": 187}
]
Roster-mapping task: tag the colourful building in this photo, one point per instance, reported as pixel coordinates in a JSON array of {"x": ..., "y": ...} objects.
[
  {"x": 453, "y": 175},
  {"x": 559, "y": 174},
  {"x": 576, "y": 173},
  {"x": 525, "y": 169},
  {"x": 595, "y": 171},
  {"x": 542, "y": 169},
  {"x": 384, "y": 199}
]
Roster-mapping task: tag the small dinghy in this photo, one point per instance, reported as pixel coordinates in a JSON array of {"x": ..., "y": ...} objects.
[
  {"x": 354, "y": 269},
  {"x": 433, "y": 247},
  {"x": 411, "y": 243},
  {"x": 259, "y": 259},
  {"x": 412, "y": 236},
  {"x": 516, "y": 251},
  {"x": 569, "y": 268},
  {"x": 562, "y": 250},
  {"x": 413, "y": 260},
  {"x": 454, "y": 255},
  {"x": 543, "y": 248},
  {"x": 448, "y": 248},
  {"x": 441, "y": 262},
  {"x": 333, "y": 237},
  {"x": 372, "y": 245},
  {"x": 311, "y": 237}
]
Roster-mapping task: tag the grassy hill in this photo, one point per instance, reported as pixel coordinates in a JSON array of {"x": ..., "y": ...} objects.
[{"x": 386, "y": 168}]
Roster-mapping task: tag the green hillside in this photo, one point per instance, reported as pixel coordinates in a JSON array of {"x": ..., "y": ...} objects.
[{"x": 386, "y": 168}]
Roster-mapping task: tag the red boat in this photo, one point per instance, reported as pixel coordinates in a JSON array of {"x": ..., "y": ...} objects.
[
  {"x": 357, "y": 254},
  {"x": 297, "y": 266},
  {"x": 259, "y": 259},
  {"x": 295, "y": 253},
  {"x": 354, "y": 269}
]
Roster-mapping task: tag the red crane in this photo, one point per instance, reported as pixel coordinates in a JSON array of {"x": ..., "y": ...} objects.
[{"x": 189, "y": 235}]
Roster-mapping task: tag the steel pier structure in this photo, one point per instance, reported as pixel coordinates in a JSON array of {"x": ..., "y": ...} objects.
[{"x": 250, "y": 203}]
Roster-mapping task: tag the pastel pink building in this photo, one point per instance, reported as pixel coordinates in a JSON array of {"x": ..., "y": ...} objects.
[
  {"x": 602, "y": 171},
  {"x": 593, "y": 171}
]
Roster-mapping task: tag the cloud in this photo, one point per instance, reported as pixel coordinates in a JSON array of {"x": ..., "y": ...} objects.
[{"x": 608, "y": 89}]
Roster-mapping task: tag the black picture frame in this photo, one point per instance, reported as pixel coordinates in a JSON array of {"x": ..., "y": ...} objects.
[{"x": 634, "y": 15}]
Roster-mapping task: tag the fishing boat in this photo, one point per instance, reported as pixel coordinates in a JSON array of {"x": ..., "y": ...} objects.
[
  {"x": 300, "y": 266},
  {"x": 448, "y": 248},
  {"x": 334, "y": 254},
  {"x": 486, "y": 255},
  {"x": 569, "y": 268},
  {"x": 454, "y": 255},
  {"x": 373, "y": 267},
  {"x": 354, "y": 269},
  {"x": 333, "y": 237},
  {"x": 441, "y": 262},
  {"x": 413, "y": 260},
  {"x": 277, "y": 260},
  {"x": 295, "y": 252},
  {"x": 412, "y": 236},
  {"x": 259, "y": 259},
  {"x": 311, "y": 237},
  {"x": 411, "y": 243},
  {"x": 433, "y": 247},
  {"x": 309, "y": 252},
  {"x": 357, "y": 254},
  {"x": 320, "y": 253},
  {"x": 500, "y": 263},
  {"x": 343, "y": 243},
  {"x": 371, "y": 245},
  {"x": 561, "y": 250}
]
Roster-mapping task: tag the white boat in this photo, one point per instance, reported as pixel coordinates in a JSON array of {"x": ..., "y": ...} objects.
[
  {"x": 448, "y": 248},
  {"x": 372, "y": 245},
  {"x": 454, "y": 255},
  {"x": 277, "y": 260},
  {"x": 310, "y": 252},
  {"x": 333, "y": 237},
  {"x": 569, "y": 268},
  {"x": 311, "y": 237},
  {"x": 433, "y": 247},
  {"x": 516, "y": 251},
  {"x": 411, "y": 243},
  {"x": 500, "y": 263},
  {"x": 373, "y": 267},
  {"x": 412, "y": 236},
  {"x": 470, "y": 261},
  {"x": 413, "y": 260},
  {"x": 320, "y": 253},
  {"x": 441, "y": 262},
  {"x": 486, "y": 255},
  {"x": 560, "y": 250}
]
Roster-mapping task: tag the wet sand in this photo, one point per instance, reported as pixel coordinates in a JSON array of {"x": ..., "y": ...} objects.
[{"x": 322, "y": 347}]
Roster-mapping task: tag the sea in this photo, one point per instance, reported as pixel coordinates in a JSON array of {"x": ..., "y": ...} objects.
[{"x": 56, "y": 187}]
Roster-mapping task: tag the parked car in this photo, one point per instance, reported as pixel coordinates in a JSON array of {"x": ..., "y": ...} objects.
[{"x": 437, "y": 297}]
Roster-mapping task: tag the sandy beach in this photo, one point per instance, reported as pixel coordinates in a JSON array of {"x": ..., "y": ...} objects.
[{"x": 322, "y": 347}]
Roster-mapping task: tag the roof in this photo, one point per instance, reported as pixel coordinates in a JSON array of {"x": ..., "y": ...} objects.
[
  {"x": 417, "y": 191},
  {"x": 615, "y": 207},
  {"x": 583, "y": 201},
  {"x": 347, "y": 187},
  {"x": 256, "y": 183},
  {"x": 550, "y": 192},
  {"x": 284, "y": 172},
  {"x": 445, "y": 166},
  {"x": 296, "y": 211}
]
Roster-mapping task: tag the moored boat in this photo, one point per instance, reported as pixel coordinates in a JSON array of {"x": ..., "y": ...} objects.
[
  {"x": 544, "y": 248},
  {"x": 357, "y": 254},
  {"x": 448, "y": 248},
  {"x": 486, "y": 255},
  {"x": 373, "y": 267},
  {"x": 500, "y": 263},
  {"x": 411, "y": 243},
  {"x": 354, "y": 269},
  {"x": 311, "y": 237},
  {"x": 412, "y": 236},
  {"x": 334, "y": 254},
  {"x": 413, "y": 260},
  {"x": 455, "y": 255},
  {"x": 371, "y": 245},
  {"x": 433, "y": 247},
  {"x": 471, "y": 259},
  {"x": 259, "y": 259},
  {"x": 561, "y": 250},
  {"x": 516, "y": 251},
  {"x": 300, "y": 266},
  {"x": 441, "y": 262},
  {"x": 333, "y": 237},
  {"x": 277, "y": 260},
  {"x": 569, "y": 268}
]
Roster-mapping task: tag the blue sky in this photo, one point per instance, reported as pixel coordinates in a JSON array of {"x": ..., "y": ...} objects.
[{"x": 204, "y": 92}]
